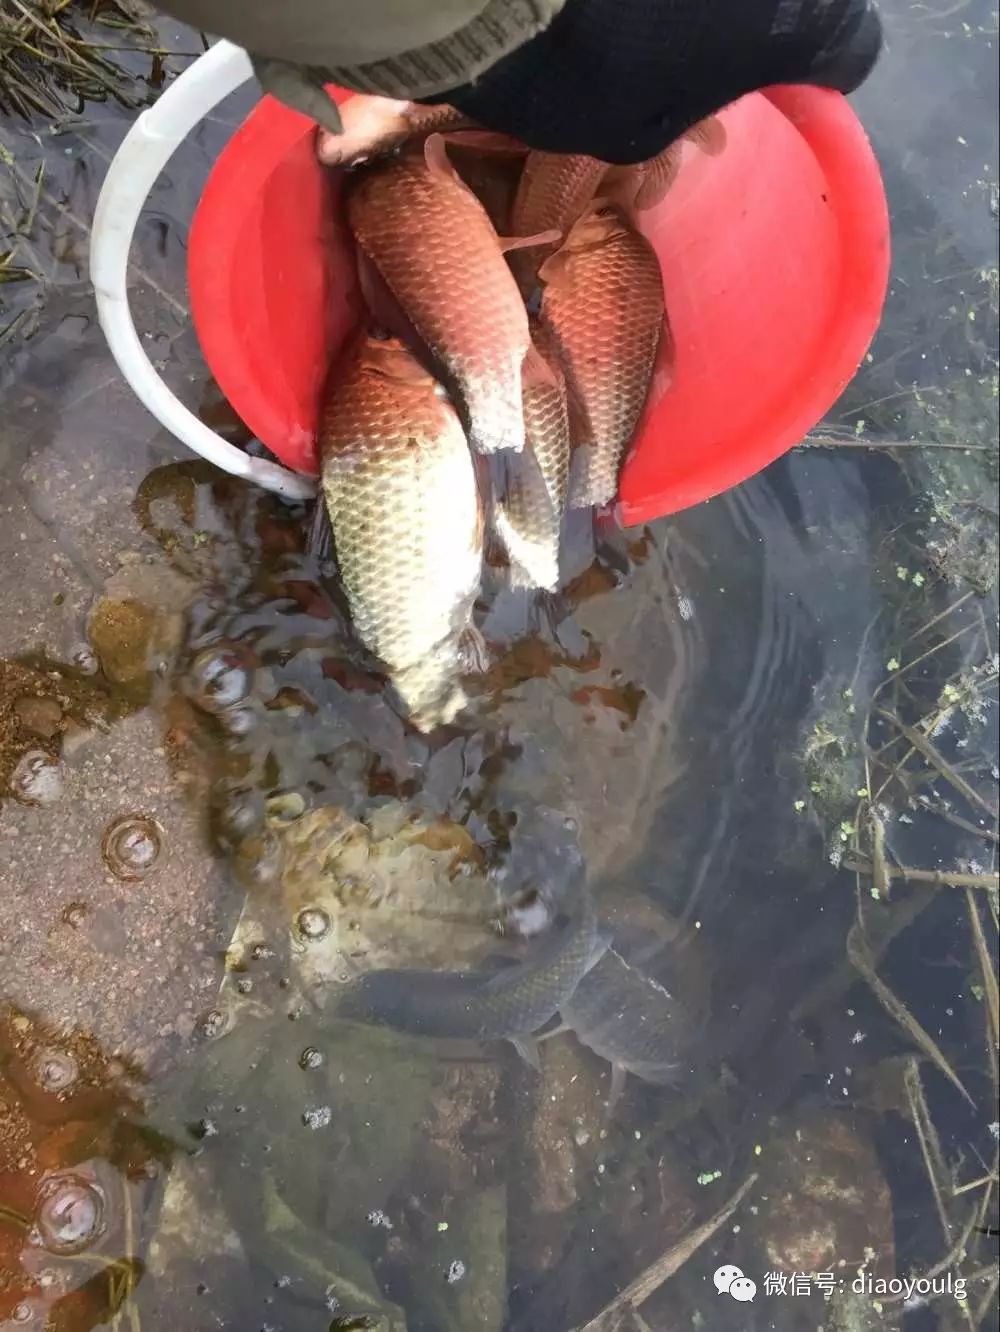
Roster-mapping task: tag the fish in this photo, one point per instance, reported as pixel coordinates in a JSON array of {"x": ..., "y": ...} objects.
[
  {"x": 374, "y": 126},
  {"x": 645, "y": 184},
  {"x": 603, "y": 307},
  {"x": 624, "y": 1013},
  {"x": 510, "y": 1004},
  {"x": 433, "y": 243},
  {"x": 490, "y": 164},
  {"x": 553, "y": 192},
  {"x": 400, "y": 489},
  {"x": 528, "y": 514}
]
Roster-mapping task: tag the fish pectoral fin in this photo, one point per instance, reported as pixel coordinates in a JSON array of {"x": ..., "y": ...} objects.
[
  {"x": 527, "y": 1048},
  {"x": 618, "y": 1077},
  {"x": 438, "y": 161},
  {"x": 474, "y": 654},
  {"x": 602, "y": 942},
  {"x": 550, "y": 237},
  {"x": 553, "y": 268}
]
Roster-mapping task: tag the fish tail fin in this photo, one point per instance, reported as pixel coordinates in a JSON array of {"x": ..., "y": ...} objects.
[
  {"x": 531, "y": 564},
  {"x": 523, "y": 502},
  {"x": 657, "y": 177},
  {"x": 709, "y": 134},
  {"x": 428, "y": 705},
  {"x": 319, "y": 540}
]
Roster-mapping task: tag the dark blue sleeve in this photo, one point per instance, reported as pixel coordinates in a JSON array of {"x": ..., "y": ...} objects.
[{"x": 620, "y": 79}]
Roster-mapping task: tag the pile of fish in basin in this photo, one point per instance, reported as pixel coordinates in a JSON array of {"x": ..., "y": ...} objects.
[{"x": 515, "y": 312}]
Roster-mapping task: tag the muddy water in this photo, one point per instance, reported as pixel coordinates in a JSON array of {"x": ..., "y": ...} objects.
[{"x": 212, "y": 820}]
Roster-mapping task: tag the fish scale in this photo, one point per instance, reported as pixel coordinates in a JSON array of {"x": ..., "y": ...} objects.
[
  {"x": 400, "y": 489},
  {"x": 603, "y": 307},
  {"x": 434, "y": 245}
]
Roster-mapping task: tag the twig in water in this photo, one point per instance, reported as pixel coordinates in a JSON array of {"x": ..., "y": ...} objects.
[
  {"x": 924, "y": 747},
  {"x": 639, "y": 1290},
  {"x": 957, "y": 820},
  {"x": 864, "y": 442},
  {"x": 947, "y": 879},
  {"x": 860, "y": 958}
]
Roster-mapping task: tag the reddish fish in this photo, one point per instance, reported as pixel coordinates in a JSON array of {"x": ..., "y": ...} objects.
[
  {"x": 400, "y": 488},
  {"x": 602, "y": 304},
  {"x": 433, "y": 243},
  {"x": 373, "y": 126}
]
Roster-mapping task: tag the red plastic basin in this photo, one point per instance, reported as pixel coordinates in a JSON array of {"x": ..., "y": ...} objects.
[{"x": 775, "y": 260}]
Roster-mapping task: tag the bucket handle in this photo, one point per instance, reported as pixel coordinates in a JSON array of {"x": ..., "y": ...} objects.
[{"x": 143, "y": 154}]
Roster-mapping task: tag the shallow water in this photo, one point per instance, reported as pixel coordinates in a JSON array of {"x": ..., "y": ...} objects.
[{"x": 181, "y": 1114}]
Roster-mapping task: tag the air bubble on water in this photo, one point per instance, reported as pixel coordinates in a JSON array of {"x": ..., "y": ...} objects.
[
  {"x": 261, "y": 952},
  {"x": 242, "y": 812},
  {"x": 282, "y": 810},
  {"x": 213, "y": 1024},
  {"x": 21, "y": 1314},
  {"x": 313, "y": 923},
  {"x": 259, "y": 860},
  {"x": 70, "y": 1214},
  {"x": 244, "y": 985},
  {"x": 84, "y": 659},
  {"x": 131, "y": 846},
  {"x": 37, "y": 779},
  {"x": 218, "y": 679},
  {"x": 455, "y": 1271},
  {"x": 318, "y": 1118},
  {"x": 379, "y": 1219},
  {"x": 55, "y": 1070},
  {"x": 311, "y": 1058},
  {"x": 239, "y": 721}
]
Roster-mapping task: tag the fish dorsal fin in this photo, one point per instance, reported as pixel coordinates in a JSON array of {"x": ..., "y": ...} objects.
[
  {"x": 709, "y": 134},
  {"x": 549, "y": 237}
]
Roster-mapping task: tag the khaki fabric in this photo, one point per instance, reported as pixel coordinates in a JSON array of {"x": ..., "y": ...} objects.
[{"x": 401, "y": 48}]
